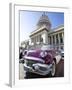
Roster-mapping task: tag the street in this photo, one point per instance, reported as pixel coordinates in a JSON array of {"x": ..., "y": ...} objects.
[{"x": 59, "y": 72}]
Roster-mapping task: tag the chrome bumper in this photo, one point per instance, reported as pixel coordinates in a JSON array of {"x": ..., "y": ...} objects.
[{"x": 38, "y": 68}]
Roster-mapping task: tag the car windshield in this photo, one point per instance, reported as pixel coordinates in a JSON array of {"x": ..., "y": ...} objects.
[{"x": 46, "y": 47}]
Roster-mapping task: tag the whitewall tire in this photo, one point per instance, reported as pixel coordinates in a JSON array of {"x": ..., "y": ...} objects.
[{"x": 53, "y": 68}]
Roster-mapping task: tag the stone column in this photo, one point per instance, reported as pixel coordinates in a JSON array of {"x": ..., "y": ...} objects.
[
  {"x": 51, "y": 39},
  {"x": 63, "y": 36},
  {"x": 46, "y": 37},
  {"x": 55, "y": 38},
  {"x": 59, "y": 40},
  {"x": 54, "y": 42}
]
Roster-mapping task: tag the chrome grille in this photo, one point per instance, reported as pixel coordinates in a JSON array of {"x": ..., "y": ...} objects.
[{"x": 31, "y": 62}]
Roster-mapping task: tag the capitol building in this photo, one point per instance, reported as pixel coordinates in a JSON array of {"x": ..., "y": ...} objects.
[{"x": 43, "y": 34}]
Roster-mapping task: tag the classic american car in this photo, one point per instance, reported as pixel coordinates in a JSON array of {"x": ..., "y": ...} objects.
[{"x": 42, "y": 61}]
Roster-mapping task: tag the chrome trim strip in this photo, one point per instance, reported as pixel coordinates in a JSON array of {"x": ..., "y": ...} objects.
[{"x": 34, "y": 58}]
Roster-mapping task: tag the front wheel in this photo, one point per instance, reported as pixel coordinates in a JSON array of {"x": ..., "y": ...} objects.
[{"x": 53, "y": 68}]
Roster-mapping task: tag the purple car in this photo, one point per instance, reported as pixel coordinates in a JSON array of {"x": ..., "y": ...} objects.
[{"x": 42, "y": 61}]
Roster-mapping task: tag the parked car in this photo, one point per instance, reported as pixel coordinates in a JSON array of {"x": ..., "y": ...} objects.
[{"x": 42, "y": 61}]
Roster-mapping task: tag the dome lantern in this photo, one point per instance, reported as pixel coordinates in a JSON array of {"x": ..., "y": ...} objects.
[{"x": 44, "y": 20}]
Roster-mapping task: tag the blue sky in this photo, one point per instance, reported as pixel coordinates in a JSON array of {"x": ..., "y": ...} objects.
[{"x": 29, "y": 19}]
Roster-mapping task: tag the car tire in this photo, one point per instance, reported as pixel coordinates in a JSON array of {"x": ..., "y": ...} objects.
[{"x": 53, "y": 68}]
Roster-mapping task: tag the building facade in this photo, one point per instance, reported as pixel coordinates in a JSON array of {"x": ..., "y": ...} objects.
[{"x": 45, "y": 35}]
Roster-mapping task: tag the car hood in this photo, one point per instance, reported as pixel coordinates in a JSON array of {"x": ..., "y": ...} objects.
[{"x": 34, "y": 53}]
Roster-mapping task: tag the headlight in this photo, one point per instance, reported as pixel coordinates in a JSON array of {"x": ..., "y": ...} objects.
[
  {"x": 35, "y": 66},
  {"x": 43, "y": 54}
]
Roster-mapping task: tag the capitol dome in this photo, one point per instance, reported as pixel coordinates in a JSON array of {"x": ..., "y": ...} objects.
[{"x": 44, "y": 20}]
